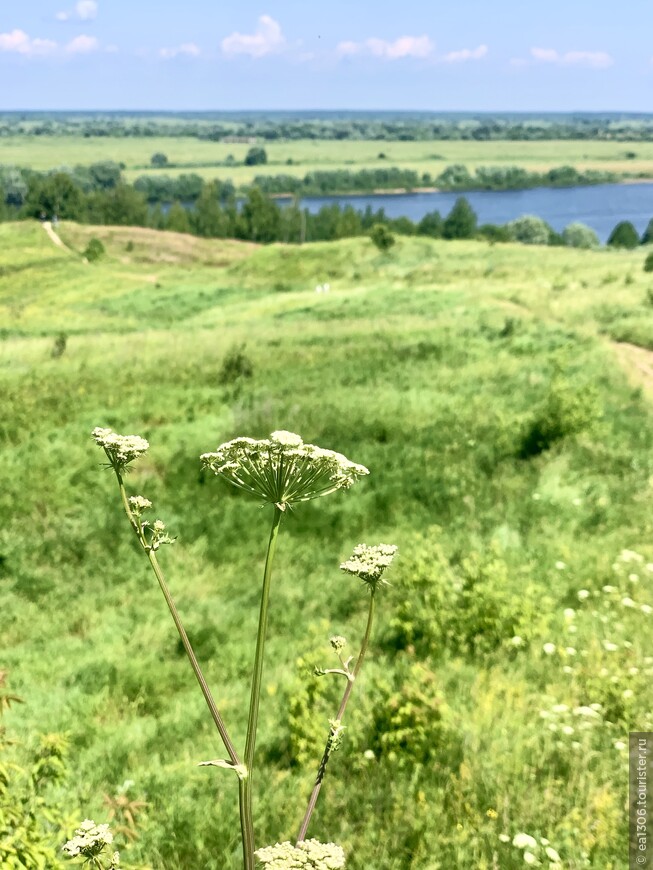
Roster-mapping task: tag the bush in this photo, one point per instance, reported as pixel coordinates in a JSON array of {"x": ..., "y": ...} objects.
[
  {"x": 236, "y": 366},
  {"x": 529, "y": 230},
  {"x": 382, "y": 237},
  {"x": 159, "y": 159},
  {"x": 565, "y": 411},
  {"x": 624, "y": 235},
  {"x": 579, "y": 235},
  {"x": 648, "y": 263},
  {"x": 256, "y": 156},
  {"x": 494, "y": 233},
  {"x": 94, "y": 250}
]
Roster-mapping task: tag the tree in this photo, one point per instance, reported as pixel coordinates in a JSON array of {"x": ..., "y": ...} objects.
[
  {"x": 624, "y": 235},
  {"x": 259, "y": 219},
  {"x": 94, "y": 250},
  {"x": 105, "y": 175},
  {"x": 529, "y": 230},
  {"x": 648, "y": 263},
  {"x": 256, "y": 156},
  {"x": 122, "y": 206},
  {"x": 430, "y": 225},
  {"x": 382, "y": 237},
  {"x": 208, "y": 219},
  {"x": 54, "y": 194},
  {"x": 159, "y": 160},
  {"x": 647, "y": 237},
  {"x": 14, "y": 186},
  {"x": 177, "y": 219},
  {"x": 579, "y": 235},
  {"x": 461, "y": 221}
]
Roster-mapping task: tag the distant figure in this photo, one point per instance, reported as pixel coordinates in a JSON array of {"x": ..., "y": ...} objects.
[
  {"x": 42, "y": 217},
  {"x": 55, "y": 221}
]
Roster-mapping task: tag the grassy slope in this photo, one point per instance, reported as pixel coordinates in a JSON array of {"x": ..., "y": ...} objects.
[
  {"x": 45, "y": 153},
  {"x": 424, "y": 364}
]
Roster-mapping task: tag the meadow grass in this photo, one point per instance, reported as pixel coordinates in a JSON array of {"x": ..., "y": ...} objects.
[
  {"x": 433, "y": 365},
  {"x": 44, "y": 153}
]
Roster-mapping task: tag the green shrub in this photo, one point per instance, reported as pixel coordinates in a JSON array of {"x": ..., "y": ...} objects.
[
  {"x": 461, "y": 221},
  {"x": 565, "y": 412},
  {"x": 94, "y": 250},
  {"x": 236, "y": 366},
  {"x": 382, "y": 237},
  {"x": 529, "y": 230},
  {"x": 578, "y": 235},
  {"x": 624, "y": 235}
]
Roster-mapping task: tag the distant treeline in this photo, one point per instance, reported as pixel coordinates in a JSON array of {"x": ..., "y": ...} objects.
[
  {"x": 455, "y": 177},
  {"x": 339, "y": 126},
  {"x": 100, "y": 197}
]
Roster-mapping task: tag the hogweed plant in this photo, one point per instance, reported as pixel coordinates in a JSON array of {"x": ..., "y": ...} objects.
[{"x": 281, "y": 471}]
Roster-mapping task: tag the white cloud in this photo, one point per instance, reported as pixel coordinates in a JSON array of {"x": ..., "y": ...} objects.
[
  {"x": 187, "y": 48},
  {"x": 86, "y": 9},
  {"x": 82, "y": 44},
  {"x": 268, "y": 39},
  {"x": 62, "y": 16},
  {"x": 594, "y": 59},
  {"x": 20, "y": 43},
  {"x": 404, "y": 46},
  {"x": 466, "y": 54}
]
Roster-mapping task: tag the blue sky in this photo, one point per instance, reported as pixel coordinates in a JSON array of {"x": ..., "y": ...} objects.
[{"x": 470, "y": 55}]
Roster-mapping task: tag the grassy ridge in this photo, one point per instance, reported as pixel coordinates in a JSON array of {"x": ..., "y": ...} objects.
[{"x": 430, "y": 365}]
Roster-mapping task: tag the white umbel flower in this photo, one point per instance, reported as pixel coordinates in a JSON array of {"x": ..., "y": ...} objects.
[
  {"x": 282, "y": 469},
  {"x": 120, "y": 449},
  {"x": 89, "y": 840},
  {"x": 306, "y": 855},
  {"x": 369, "y": 563}
]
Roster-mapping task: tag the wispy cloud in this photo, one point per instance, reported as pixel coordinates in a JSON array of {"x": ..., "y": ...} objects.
[
  {"x": 186, "y": 48},
  {"x": 267, "y": 39},
  {"x": 465, "y": 54},
  {"x": 19, "y": 42},
  {"x": 404, "y": 46},
  {"x": 593, "y": 59},
  {"x": 85, "y": 10},
  {"x": 82, "y": 44}
]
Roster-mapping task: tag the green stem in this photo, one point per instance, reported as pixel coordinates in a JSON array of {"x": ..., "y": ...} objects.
[
  {"x": 339, "y": 717},
  {"x": 208, "y": 697},
  {"x": 252, "y": 722}
]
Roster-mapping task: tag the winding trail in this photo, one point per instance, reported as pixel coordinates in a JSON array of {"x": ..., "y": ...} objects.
[{"x": 47, "y": 226}]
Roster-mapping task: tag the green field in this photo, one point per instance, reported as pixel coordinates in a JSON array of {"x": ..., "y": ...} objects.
[
  {"x": 189, "y": 154},
  {"x": 495, "y": 395}
]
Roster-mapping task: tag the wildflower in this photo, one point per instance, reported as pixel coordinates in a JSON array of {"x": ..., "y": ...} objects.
[
  {"x": 89, "y": 840},
  {"x": 608, "y": 646},
  {"x": 628, "y": 693},
  {"x": 517, "y": 640},
  {"x": 138, "y": 504},
  {"x": 492, "y": 814},
  {"x": 549, "y": 648},
  {"x": 609, "y": 589},
  {"x": 524, "y": 841},
  {"x": 634, "y": 578},
  {"x": 568, "y": 730},
  {"x": 570, "y": 650},
  {"x": 120, "y": 449},
  {"x": 586, "y": 711},
  {"x": 567, "y": 669},
  {"x": 306, "y": 854},
  {"x": 620, "y": 745},
  {"x": 369, "y": 563},
  {"x": 559, "y": 708},
  {"x": 552, "y": 854},
  {"x": 369, "y": 755},
  {"x": 630, "y": 556},
  {"x": 282, "y": 469},
  {"x": 338, "y": 643},
  {"x": 646, "y": 609},
  {"x": 504, "y": 838},
  {"x": 529, "y": 858},
  {"x": 583, "y": 594},
  {"x": 627, "y": 602},
  {"x": 561, "y": 565},
  {"x": 569, "y": 614}
]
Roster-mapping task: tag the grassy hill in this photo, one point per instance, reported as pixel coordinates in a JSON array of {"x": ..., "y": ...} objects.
[{"x": 509, "y": 442}]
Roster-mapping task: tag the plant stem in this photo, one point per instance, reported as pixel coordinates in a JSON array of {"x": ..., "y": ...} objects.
[
  {"x": 252, "y": 722},
  {"x": 339, "y": 717},
  {"x": 208, "y": 697}
]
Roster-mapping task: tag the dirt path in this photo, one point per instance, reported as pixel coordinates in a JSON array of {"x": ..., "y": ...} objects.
[
  {"x": 638, "y": 363},
  {"x": 47, "y": 226}
]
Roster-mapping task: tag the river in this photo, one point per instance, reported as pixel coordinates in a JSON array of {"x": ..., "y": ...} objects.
[{"x": 600, "y": 207}]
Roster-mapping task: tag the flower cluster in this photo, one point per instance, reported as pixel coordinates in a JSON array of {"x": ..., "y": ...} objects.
[
  {"x": 282, "y": 469},
  {"x": 90, "y": 841},
  {"x": 306, "y": 855},
  {"x": 369, "y": 563},
  {"x": 534, "y": 853},
  {"x": 120, "y": 449}
]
